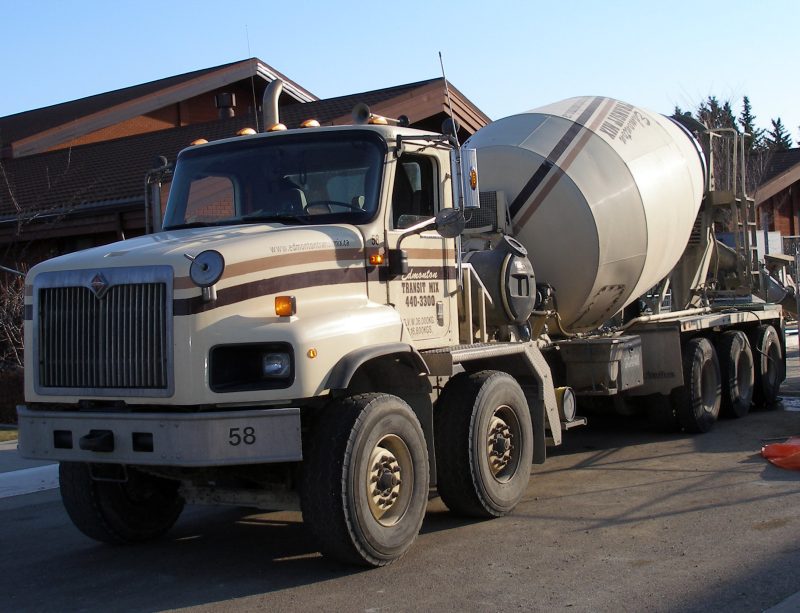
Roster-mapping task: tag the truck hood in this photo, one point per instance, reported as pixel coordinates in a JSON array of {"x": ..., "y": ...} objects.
[{"x": 246, "y": 248}]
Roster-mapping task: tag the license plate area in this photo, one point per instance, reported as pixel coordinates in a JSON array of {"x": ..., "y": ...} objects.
[{"x": 197, "y": 439}]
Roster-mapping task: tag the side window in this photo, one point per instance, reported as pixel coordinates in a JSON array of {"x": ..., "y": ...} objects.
[
  {"x": 413, "y": 190},
  {"x": 210, "y": 198}
]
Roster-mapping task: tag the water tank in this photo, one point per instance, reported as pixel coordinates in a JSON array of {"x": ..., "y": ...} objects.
[{"x": 601, "y": 193}]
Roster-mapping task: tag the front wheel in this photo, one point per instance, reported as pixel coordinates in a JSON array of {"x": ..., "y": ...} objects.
[
  {"x": 139, "y": 509},
  {"x": 364, "y": 488},
  {"x": 484, "y": 444}
]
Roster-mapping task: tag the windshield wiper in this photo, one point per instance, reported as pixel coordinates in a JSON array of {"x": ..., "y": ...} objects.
[
  {"x": 192, "y": 224},
  {"x": 298, "y": 219}
]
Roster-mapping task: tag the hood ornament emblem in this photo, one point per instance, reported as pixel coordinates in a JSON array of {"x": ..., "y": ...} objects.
[{"x": 99, "y": 285}]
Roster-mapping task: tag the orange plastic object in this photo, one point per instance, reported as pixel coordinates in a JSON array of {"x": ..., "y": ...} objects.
[{"x": 785, "y": 455}]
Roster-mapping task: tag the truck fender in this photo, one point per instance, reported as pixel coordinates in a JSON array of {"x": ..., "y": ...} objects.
[
  {"x": 416, "y": 394},
  {"x": 343, "y": 372},
  {"x": 545, "y": 393}
]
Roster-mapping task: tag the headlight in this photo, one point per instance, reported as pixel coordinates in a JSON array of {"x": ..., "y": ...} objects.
[
  {"x": 567, "y": 403},
  {"x": 206, "y": 268},
  {"x": 275, "y": 365},
  {"x": 251, "y": 366}
]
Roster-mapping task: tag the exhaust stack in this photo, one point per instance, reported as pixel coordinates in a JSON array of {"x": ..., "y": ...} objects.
[{"x": 269, "y": 104}]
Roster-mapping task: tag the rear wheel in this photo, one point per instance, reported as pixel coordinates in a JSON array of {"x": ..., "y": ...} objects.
[
  {"x": 364, "y": 488},
  {"x": 697, "y": 401},
  {"x": 484, "y": 444},
  {"x": 769, "y": 366},
  {"x": 736, "y": 370},
  {"x": 139, "y": 509}
]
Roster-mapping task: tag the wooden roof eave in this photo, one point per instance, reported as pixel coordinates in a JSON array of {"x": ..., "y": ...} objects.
[
  {"x": 43, "y": 141},
  {"x": 777, "y": 184},
  {"x": 426, "y": 101}
]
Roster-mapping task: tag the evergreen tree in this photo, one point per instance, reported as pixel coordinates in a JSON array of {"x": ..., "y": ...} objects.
[
  {"x": 778, "y": 138},
  {"x": 747, "y": 121},
  {"x": 679, "y": 112},
  {"x": 712, "y": 114}
]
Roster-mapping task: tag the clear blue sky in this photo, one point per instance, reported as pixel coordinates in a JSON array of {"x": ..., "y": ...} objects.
[{"x": 505, "y": 56}]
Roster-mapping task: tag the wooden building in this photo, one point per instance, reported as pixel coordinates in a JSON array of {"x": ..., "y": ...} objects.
[
  {"x": 778, "y": 195},
  {"x": 72, "y": 175}
]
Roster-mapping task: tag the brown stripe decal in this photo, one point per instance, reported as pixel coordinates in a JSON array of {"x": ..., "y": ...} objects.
[
  {"x": 265, "y": 287},
  {"x": 549, "y": 163},
  {"x": 381, "y": 273},
  {"x": 558, "y": 171},
  {"x": 281, "y": 261}
]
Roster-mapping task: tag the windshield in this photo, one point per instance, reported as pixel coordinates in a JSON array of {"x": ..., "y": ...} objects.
[{"x": 319, "y": 178}]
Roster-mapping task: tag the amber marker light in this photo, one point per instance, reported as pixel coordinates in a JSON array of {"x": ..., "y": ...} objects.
[
  {"x": 310, "y": 123},
  {"x": 245, "y": 132},
  {"x": 199, "y": 141},
  {"x": 285, "y": 306},
  {"x": 473, "y": 178},
  {"x": 312, "y": 353},
  {"x": 278, "y": 127},
  {"x": 376, "y": 259}
]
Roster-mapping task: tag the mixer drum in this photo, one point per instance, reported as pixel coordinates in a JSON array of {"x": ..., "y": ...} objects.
[{"x": 602, "y": 194}]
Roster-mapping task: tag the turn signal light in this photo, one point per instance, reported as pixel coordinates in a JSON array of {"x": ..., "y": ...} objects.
[
  {"x": 376, "y": 259},
  {"x": 285, "y": 306}
]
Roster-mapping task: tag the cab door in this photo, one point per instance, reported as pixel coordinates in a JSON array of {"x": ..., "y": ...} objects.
[{"x": 422, "y": 296}]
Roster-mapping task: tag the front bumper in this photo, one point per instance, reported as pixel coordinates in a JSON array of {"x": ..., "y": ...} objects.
[{"x": 164, "y": 439}]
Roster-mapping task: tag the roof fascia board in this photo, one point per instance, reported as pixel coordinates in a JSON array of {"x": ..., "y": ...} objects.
[
  {"x": 777, "y": 184},
  {"x": 43, "y": 141},
  {"x": 290, "y": 87},
  {"x": 432, "y": 105}
]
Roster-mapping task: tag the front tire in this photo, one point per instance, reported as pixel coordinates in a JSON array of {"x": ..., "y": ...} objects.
[
  {"x": 140, "y": 509},
  {"x": 484, "y": 444},
  {"x": 364, "y": 488}
]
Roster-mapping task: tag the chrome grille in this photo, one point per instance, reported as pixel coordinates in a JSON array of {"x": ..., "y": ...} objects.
[{"x": 117, "y": 344}]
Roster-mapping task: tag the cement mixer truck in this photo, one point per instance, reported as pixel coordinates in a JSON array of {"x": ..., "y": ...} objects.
[{"x": 340, "y": 319}]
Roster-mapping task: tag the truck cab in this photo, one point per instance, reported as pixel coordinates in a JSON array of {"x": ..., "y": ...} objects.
[{"x": 266, "y": 347}]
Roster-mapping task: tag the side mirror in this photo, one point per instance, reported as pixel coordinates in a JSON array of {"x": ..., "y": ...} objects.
[{"x": 450, "y": 222}]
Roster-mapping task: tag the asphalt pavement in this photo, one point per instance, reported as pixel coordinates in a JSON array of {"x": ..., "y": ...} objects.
[{"x": 620, "y": 518}]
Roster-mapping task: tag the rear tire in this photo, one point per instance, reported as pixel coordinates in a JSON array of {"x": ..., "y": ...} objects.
[
  {"x": 484, "y": 444},
  {"x": 769, "y": 366},
  {"x": 698, "y": 400},
  {"x": 364, "y": 487},
  {"x": 140, "y": 509},
  {"x": 736, "y": 371}
]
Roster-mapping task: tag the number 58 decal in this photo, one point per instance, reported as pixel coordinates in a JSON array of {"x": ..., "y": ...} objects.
[{"x": 238, "y": 436}]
